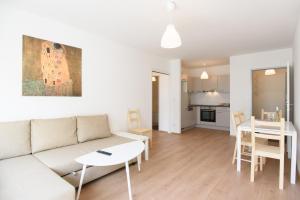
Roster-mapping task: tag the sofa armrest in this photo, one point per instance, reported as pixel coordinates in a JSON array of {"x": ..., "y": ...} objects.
[{"x": 132, "y": 136}]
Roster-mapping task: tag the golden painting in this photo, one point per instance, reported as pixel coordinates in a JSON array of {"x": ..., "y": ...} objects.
[{"x": 50, "y": 69}]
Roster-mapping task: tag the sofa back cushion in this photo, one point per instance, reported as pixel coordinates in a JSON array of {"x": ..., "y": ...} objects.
[
  {"x": 92, "y": 127},
  {"x": 14, "y": 139},
  {"x": 52, "y": 133}
]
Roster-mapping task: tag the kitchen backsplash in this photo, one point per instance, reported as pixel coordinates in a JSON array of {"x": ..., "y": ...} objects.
[{"x": 210, "y": 98}]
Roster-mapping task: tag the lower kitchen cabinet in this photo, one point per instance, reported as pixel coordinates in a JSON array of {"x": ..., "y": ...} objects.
[{"x": 223, "y": 117}]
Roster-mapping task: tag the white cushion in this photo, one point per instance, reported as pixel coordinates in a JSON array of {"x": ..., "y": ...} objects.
[
  {"x": 92, "y": 127},
  {"x": 14, "y": 139},
  {"x": 52, "y": 133},
  {"x": 26, "y": 178}
]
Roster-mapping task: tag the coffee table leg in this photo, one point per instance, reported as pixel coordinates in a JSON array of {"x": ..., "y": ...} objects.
[
  {"x": 128, "y": 180},
  {"x": 81, "y": 181},
  {"x": 139, "y": 161}
]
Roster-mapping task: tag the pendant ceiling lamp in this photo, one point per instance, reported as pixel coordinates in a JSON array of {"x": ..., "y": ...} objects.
[
  {"x": 204, "y": 74},
  {"x": 170, "y": 39}
]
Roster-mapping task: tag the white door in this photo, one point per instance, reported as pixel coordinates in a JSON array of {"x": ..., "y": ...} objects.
[{"x": 164, "y": 103}]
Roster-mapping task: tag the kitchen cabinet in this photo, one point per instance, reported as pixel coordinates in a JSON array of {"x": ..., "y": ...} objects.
[
  {"x": 199, "y": 85},
  {"x": 223, "y": 117},
  {"x": 196, "y": 84},
  {"x": 223, "y": 83},
  {"x": 209, "y": 84}
]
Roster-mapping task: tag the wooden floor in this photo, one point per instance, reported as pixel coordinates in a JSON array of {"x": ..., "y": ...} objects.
[{"x": 193, "y": 165}]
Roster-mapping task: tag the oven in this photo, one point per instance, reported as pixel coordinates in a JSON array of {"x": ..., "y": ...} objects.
[{"x": 208, "y": 114}]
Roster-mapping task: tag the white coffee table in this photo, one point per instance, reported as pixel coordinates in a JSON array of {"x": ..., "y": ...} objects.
[{"x": 122, "y": 153}]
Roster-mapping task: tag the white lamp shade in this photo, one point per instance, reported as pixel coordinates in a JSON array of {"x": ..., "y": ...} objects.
[
  {"x": 171, "y": 38},
  {"x": 153, "y": 78},
  {"x": 204, "y": 75},
  {"x": 270, "y": 72}
]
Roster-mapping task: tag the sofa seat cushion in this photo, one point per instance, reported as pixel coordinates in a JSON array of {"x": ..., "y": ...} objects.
[
  {"x": 27, "y": 178},
  {"x": 52, "y": 133},
  {"x": 62, "y": 160},
  {"x": 92, "y": 127},
  {"x": 14, "y": 139}
]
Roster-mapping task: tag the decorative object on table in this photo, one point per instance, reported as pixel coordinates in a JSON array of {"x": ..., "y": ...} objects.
[
  {"x": 271, "y": 116},
  {"x": 50, "y": 68},
  {"x": 134, "y": 125},
  {"x": 265, "y": 150}
]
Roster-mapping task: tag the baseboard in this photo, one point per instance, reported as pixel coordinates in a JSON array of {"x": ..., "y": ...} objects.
[
  {"x": 212, "y": 127},
  {"x": 188, "y": 128}
]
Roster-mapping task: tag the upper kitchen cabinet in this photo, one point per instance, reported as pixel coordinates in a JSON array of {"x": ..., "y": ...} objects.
[
  {"x": 223, "y": 83},
  {"x": 210, "y": 84},
  {"x": 196, "y": 84}
]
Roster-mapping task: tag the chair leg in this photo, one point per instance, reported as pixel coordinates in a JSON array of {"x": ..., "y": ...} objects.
[
  {"x": 234, "y": 154},
  {"x": 261, "y": 163},
  {"x": 243, "y": 149},
  {"x": 256, "y": 164},
  {"x": 151, "y": 142},
  {"x": 281, "y": 173},
  {"x": 253, "y": 164}
]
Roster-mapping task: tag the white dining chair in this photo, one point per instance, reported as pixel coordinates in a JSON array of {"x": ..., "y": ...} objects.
[
  {"x": 266, "y": 150},
  {"x": 134, "y": 125}
]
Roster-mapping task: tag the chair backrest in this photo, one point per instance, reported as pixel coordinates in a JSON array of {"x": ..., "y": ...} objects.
[
  {"x": 276, "y": 115},
  {"x": 237, "y": 119},
  {"x": 242, "y": 117},
  {"x": 134, "y": 119},
  {"x": 273, "y": 136}
]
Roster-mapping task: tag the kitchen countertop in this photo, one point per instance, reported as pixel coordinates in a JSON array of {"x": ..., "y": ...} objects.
[{"x": 219, "y": 105}]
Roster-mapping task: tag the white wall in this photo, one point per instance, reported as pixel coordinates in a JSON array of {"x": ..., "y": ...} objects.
[
  {"x": 240, "y": 75},
  {"x": 114, "y": 77},
  {"x": 214, "y": 70},
  {"x": 164, "y": 103},
  {"x": 297, "y": 87},
  {"x": 175, "y": 92}
]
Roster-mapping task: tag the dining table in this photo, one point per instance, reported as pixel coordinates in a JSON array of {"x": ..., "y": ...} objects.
[{"x": 289, "y": 131}]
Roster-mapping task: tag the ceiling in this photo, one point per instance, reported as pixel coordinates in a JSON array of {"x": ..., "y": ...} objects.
[{"x": 210, "y": 29}]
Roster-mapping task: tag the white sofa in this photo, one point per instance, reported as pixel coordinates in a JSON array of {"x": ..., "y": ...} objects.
[{"x": 37, "y": 156}]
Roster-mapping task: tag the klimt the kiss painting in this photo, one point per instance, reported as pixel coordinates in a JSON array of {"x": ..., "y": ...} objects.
[{"x": 50, "y": 68}]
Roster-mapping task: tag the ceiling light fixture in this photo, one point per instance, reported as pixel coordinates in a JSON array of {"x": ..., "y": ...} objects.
[
  {"x": 204, "y": 74},
  {"x": 269, "y": 72},
  {"x": 170, "y": 39}
]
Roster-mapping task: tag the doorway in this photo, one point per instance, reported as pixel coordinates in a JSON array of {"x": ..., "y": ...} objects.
[
  {"x": 155, "y": 102},
  {"x": 269, "y": 91},
  {"x": 160, "y": 101}
]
